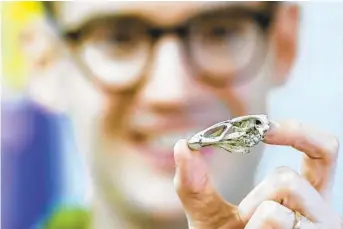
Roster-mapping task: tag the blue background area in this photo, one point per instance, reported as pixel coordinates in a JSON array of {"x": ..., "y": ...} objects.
[{"x": 30, "y": 169}]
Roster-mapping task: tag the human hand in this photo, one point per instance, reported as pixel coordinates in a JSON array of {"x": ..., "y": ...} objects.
[{"x": 273, "y": 202}]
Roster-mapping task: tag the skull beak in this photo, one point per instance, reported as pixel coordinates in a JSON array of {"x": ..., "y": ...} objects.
[{"x": 194, "y": 143}]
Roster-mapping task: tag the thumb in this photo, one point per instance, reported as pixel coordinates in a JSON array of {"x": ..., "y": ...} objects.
[{"x": 202, "y": 204}]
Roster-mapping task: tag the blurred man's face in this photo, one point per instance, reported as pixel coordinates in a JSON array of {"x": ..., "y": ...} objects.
[{"x": 157, "y": 72}]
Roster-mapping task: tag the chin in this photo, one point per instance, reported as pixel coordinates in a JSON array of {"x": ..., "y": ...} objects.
[
  {"x": 140, "y": 187},
  {"x": 165, "y": 210},
  {"x": 149, "y": 189}
]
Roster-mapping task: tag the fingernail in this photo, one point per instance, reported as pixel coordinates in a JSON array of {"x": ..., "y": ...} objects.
[
  {"x": 243, "y": 211},
  {"x": 180, "y": 152},
  {"x": 273, "y": 126}
]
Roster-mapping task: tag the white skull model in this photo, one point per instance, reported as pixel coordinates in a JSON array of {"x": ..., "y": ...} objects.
[{"x": 237, "y": 135}]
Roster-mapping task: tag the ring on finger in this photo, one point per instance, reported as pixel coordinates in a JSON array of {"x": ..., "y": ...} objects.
[{"x": 300, "y": 220}]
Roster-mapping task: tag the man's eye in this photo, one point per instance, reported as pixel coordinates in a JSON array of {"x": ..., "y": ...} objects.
[
  {"x": 114, "y": 34},
  {"x": 218, "y": 32},
  {"x": 221, "y": 30},
  {"x": 121, "y": 37},
  {"x": 118, "y": 42}
]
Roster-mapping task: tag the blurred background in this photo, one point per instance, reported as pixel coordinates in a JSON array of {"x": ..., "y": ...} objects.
[{"x": 40, "y": 166}]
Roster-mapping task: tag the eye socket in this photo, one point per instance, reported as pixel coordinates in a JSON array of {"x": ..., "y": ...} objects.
[
  {"x": 258, "y": 122},
  {"x": 215, "y": 132}
]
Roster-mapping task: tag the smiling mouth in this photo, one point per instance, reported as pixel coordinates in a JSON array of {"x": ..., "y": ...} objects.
[{"x": 158, "y": 150}]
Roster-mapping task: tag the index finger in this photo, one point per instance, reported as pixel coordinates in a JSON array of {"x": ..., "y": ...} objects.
[
  {"x": 320, "y": 148},
  {"x": 203, "y": 205}
]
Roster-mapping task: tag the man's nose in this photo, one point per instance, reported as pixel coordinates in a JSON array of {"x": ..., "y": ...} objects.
[{"x": 167, "y": 83}]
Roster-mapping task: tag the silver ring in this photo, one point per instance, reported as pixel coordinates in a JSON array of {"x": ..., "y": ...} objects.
[{"x": 300, "y": 220}]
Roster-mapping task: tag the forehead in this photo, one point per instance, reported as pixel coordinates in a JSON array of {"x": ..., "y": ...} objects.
[{"x": 71, "y": 14}]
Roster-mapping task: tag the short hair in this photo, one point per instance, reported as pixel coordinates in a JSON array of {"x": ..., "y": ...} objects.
[{"x": 49, "y": 7}]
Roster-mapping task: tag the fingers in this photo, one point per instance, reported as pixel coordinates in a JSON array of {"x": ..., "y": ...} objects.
[
  {"x": 203, "y": 205},
  {"x": 320, "y": 150},
  {"x": 270, "y": 214},
  {"x": 291, "y": 190}
]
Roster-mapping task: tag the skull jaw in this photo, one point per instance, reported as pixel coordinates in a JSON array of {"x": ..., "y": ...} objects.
[{"x": 234, "y": 149}]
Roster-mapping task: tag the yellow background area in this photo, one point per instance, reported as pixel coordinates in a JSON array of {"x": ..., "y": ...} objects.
[{"x": 15, "y": 16}]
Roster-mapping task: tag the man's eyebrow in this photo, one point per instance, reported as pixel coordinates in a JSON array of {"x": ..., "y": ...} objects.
[
  {"x": 107, "y": 19},
  {"x": 91, "y": 19},
  {"x": 235, "y": 10}
]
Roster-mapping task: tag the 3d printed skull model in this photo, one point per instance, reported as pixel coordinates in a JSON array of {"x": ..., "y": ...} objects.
[{"x": 237, "y": 135}]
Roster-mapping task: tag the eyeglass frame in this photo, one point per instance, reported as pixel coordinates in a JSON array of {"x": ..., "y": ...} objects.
[{"x": 263, "y": 18}]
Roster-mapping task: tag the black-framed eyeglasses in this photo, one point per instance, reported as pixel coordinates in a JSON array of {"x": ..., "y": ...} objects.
[{"x": 221, "y": 46}]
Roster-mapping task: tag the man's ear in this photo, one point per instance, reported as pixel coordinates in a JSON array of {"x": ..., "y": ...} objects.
[
  {"x": 284, "y": 36},
  {"x": 43, "y": 54}
]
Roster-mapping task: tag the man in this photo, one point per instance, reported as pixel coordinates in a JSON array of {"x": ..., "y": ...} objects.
[{"x": 142, "y": 75}]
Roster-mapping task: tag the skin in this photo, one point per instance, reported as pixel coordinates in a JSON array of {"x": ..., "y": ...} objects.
[
  {"x": 134, "y": 184},
  {"x": 271, "y": 204}
]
